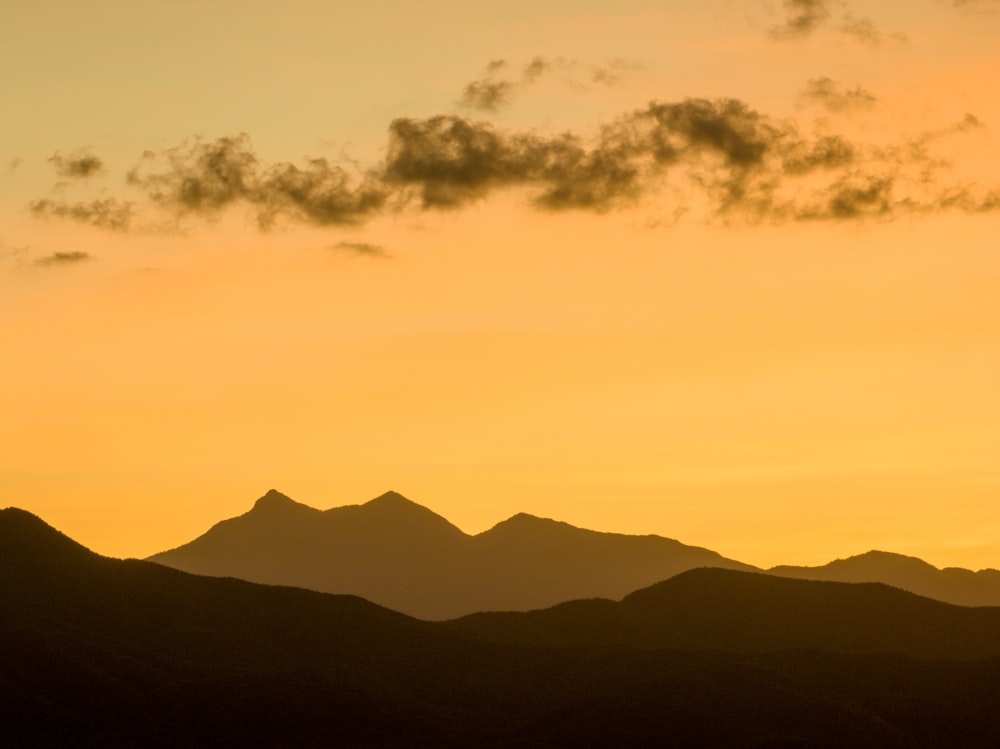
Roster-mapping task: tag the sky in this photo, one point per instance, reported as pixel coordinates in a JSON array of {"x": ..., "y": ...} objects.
[{"x": 722, "y": 271}]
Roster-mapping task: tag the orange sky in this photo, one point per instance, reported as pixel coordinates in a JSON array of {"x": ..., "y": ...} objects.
[{"x": 785, "y": 381}]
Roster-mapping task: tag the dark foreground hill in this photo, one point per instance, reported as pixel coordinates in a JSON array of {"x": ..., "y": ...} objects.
[
  {"x": 98, "y": 652},
  {"x": 396, "y": 553}
]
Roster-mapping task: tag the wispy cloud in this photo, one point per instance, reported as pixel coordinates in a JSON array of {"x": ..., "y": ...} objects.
[
  {"x": 63, "y": 258},
  {"x": 501, "y": 82},
  {"x": 802, "y": 18},
  {"x": 835, "y": 97},
  {"x": 204, "y": 178},
  {"x": 77, "y": 165},
  {"x": 104, "y": 213},
  {"x": 974, "y": 5},
  {"x": 361, "y": 248}
]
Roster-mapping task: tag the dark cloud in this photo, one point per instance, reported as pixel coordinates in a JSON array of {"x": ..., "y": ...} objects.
[
  {"x": 802, "y": 18},
  {"x": 205, "y": 178},
  {"x": 104, "y": 213},
  {"x": 451, "y": 161},
  {"x": 492, "y": 92},
  {"x": 77, "y": 165},
  {"x": 827, "y": 152},
  {"x": 539, "y": 66},
  {"x": 853, "y": 196},
  {"x": 63, "y": 258},
  {"x": 487, "y": 94},
  {"x": 361, "y": 248},
  {"x": 14, "y": 163},
  {"x": 827, "y": 93},
  {"x": 718, "y": 158},
  {"x": 198, "y": 177}
]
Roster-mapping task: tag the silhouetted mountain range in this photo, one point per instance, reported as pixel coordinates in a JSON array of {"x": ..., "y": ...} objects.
[
  {"x": 952, "y": 584},
  {"x": 98, "y": 652},
  {"x": 403, "y": 556}
]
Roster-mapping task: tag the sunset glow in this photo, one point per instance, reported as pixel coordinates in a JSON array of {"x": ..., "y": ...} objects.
[{"x": 721, "y": 271}]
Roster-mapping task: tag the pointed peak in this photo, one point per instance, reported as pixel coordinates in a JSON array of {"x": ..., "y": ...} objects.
[
  {"x": 393, "y": 509},
  {"x": 393, "y": 502},
  {"x": 391, "y": 497},
  {"x": 275, "y": 500}
]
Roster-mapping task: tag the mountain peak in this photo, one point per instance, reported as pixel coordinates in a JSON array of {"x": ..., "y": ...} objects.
[
  {"x": 275, "y": 501},
  {"x": 393, "y": 510},
  {"x": 884, "y": 558},
  {"x": 394, "y": 502},
  {"x": 390, "y": 497},
  {"x": 524, "y": 520}
]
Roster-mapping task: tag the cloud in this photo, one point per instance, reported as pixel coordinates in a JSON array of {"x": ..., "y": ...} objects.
[
  {"x": 611, "y": 74},
  {"x": 487, "y": 94},
  {"x": 720, "y": 159},
  {"x": 14, "y": 163},
  {"x": 361, "y": 248},
  {"x": 448, "y": 162},
  {"x": 205, "y": 178},
  {"x": 802, "y": 18},
  {"x": 104, "y": 213},
  {"x": 863, "y": 30},
  {"x": 77, "y": 165},
  {"x": 63, "y": 258},
  {"x": 973, "y": 5},
  {"x": 499, "y": 85},
  {"x": 827, "y": 93}
]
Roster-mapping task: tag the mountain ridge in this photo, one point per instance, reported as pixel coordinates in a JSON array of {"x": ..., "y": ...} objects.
[
  {"x": 402, "y": 555},
  {"x": 405, "y": 556}
]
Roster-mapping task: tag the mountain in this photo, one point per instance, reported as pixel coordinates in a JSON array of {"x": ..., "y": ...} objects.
[
  {"x": 952, "y": 584},
  {"x": 403, "y": 556},
  {"x": 717, "y": 609},
  {"x": 98, "y": 652}
]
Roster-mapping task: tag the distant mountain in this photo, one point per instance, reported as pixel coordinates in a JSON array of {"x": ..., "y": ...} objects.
[
  {"x": 401, "y": 555},
  {"x": 952, "y": 584},
  {"x": 718, "y": 609},
  {"x": 98, "y": 652}
]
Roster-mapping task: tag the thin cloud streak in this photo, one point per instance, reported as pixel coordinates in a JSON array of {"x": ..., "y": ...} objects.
[
  {"x": 63, "y": 258},
  {"x": 104, "y": 213},
  {"x": 361, "y": 248}
]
